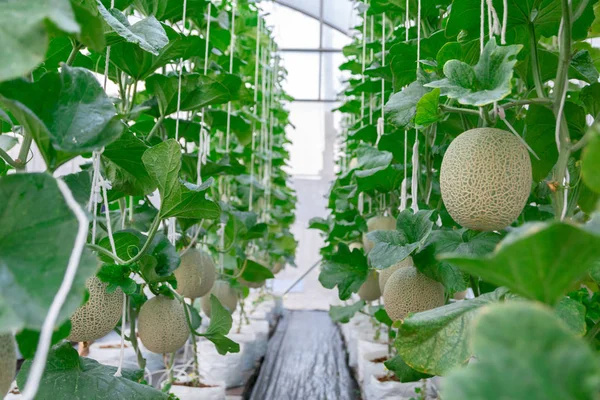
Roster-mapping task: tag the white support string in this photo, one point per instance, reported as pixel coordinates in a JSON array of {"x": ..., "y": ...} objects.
[
  {"x": 504, "y": 22},
  {"x": 180, "y": 76},
  {"x": 364, "y": 61},
  {"x": 482, "y": 27},
  {"x": 41, "y": 354},
  {"x": 231, "y": 54},
  {"x": 204, "y": 139},
  {"x": 403, "y": 187},
  {"x": 414, "y": 191},
  {"x": 381, "y": 120},
  {"x": 256, "y": 74}
]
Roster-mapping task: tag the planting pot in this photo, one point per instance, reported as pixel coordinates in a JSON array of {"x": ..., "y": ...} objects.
[
  {"x": 261, "y": 330},
  {"x": 367, "y": 352},
  {"x": 222, "y": 368},
  {"x": 213, "y": 391},
  {"x": 362, "y": 331},
  {"x": 374, "y": 389}
]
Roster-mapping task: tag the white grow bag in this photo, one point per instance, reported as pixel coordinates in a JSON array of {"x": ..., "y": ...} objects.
[
  {"x": 215, "y": 392},
  {"x": 368, "y": 351},
  {"x": 373, "y": 389}
]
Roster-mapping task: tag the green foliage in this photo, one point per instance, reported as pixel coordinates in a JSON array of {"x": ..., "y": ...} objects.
[
  {"x": 68, "y": 375},
  {"x": 346, "y": 270},
  {"x": 37, "y": 238},
  {"x": 220, "y": 325},
  {"x": 523, "y": 337},
  {"x": 343, "y": 314}
]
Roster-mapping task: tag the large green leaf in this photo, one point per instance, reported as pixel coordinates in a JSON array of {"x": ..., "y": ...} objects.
[
  {"x": 540, "y": 261},
  {"x": 139, "y": 64},
  {"x": 428, "y": 109},
  {"x": 197, "y": 91},
  {"x": 486, "y": 82},
  {"x": 371, "y": 160},
  {"x": 147, "y": 33},
  {"x": 402, "y": 106},
  {"x": 412, "y": 231},
  {"x": 346, "y": 270},
  {"x": 590, "y": 161},
  {"x": 68, "y": 376},
  {"x": 255, "y": 272},
  {"x": 457, "y": 241},
  {"x": 124, "y": 168},
  {"x": 67, "y": 113},
  {"x": 437, "y": 340},
  {"x": 23, "y": 32},
  {"x": 37, "y": 235},
  {"x": 524, "y": 352},
  {"x": 178, "y": 199},
  {"x": 343, "y": 314},
  {"x": 220, "y": 325},
  {"x": 403, "y": 371},
  {"x": 541, "y": 123}
]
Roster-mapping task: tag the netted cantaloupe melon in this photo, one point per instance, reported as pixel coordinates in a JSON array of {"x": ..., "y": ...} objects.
[
  {"x": 99, "y": 315},
  {"x": 485, "y": 179},
  {"x": 369, "y": 290},
  {"x": 385, "y": 274},
  {"x": 162, "y": 325},
  {"x": 8, "y": 362},
  {"x": 460, "y": 295},
  {"x": 379, "y": 223},
  {"x": 277, "y": 266},
  {"x": 226, "y": 295},
  {"x": 196, "y": 274},
  {"x": 409, "y": 291}
]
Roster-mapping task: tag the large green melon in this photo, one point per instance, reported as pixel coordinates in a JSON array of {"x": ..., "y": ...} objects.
[
  {"x": 485, "y": 179},
  {"x": 196, "y": 274},
  {"x": 162, "y": 325}
]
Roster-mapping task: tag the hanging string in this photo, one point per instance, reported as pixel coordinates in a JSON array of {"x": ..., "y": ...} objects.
[
  {"x": 204, "y": 139},
  {"x": 415, "y": 158},
  {"x": 180, "y": 77},
  {"x": 504, "y": 22},
  {"x": 403, "y": 187},
  {"x": 256, "y": 74},
  {"x": 381, "y": 120},
  {"x": 482, "y": 27},
  {"x": 371, "y": 37},
  {"x": 364, "y": 61},
  {"x": 231, "y": 54}
]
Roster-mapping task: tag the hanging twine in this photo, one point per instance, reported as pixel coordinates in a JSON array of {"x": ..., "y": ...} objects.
[
  {"x": 231, "y": 54},
  {"x": 256, "y": 74},
  {"x": 403, "y": 187},
  {"x": 381, "y": 120},
  {"x": 204, "y": 139},
  {"x": 415, "y": 158},
  {"x": 364, "y": 61}
]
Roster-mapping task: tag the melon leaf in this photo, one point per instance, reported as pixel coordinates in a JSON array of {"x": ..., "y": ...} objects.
[
  {"x": 486, "y": 82},
  {"x": 437, "y": 340},
  {"x": 68, "y": 376},
  {"x": 522, "y": 337},
  {"x": 539, "y": 261},
  {"x": 343, "y": 314},
  {"x": 220, "y": 325},
  {"x": 346, "y": 270}
]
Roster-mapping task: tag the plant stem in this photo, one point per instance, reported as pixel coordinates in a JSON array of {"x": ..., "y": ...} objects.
[
  {"x": 467, "y": 111},
  {"x": 105, "y": 252},
  {"x": 535, "y": 63},
  {"x": 4, "y": 155},
  {"x": 155, "y": 127},
  {"x": 523, "y": 102},
  {"x": 560, "y": 86},
  {"x": 24, "y": 152},
  {"x": 133, "y": 337},
  {"x": 591, "y": 334},
  {"x": 73, "y": 54}
]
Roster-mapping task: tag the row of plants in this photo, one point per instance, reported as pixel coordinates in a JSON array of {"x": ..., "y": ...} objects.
[
  {"x": 198, "y": 116},
  {"x": 472, "y": 162}
]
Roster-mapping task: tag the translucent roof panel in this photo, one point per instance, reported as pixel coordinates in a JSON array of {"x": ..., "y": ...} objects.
[
  {"x": 287, "y": 23},
  {"x": 339, "y": 14},
  {"x": 303, "y": 74}
]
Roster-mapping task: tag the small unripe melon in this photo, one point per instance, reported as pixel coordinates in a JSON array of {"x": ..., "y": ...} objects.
[
  {"x": 99, "y": 315},
  {"x": 277, "y": 267},
  {"x": 252, "y": 285},
  {"x": 226, "y": 295},
  {"x": 385, "y": 274},
  {"x": 460, "y": 295},
  {"x": 409, "y": 291},
  {"x": 196, "y": 274},
  {"x": 355, "y": 245},
  {"x": 485, "y": 179},
  {"x": 369, "y": 290},
  {"x": 379, "y": 223},
  {"x": 8, "y": 362},
  {"x": 162, "y": 325}
]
